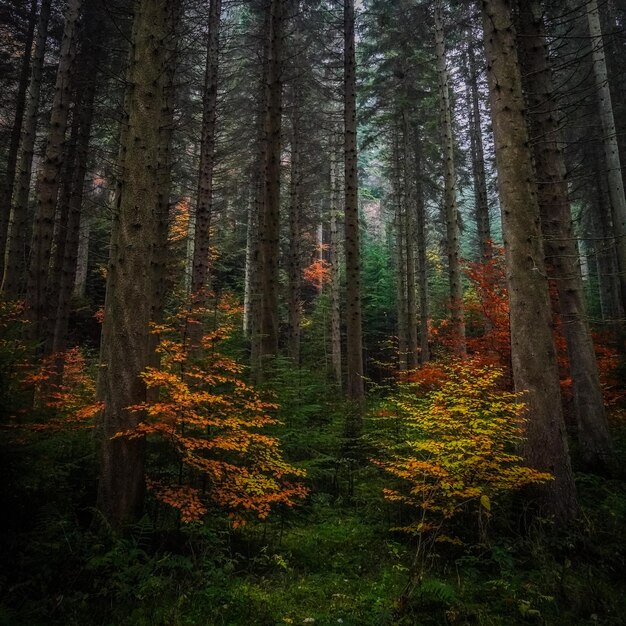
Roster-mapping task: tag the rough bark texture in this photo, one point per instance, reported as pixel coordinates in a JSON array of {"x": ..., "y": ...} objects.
[
  {"x": 560, "y": 245},
  {"x": 611, "y": 148},
  {"x": 50, "y": 176},
  {"x": 294, "y": 263},
  {"x": 335, "y": 269},
  {"x": 410, "y": 217},
  {"x": 126, "y": 337},
  {"x": 6, "y": 191},
  {"x": 16, "y": 253},
  {"x": 481, "y": 200},
  {"x": 269, "y": 229},
  {"x": 354, "y": 342},
  {"x": 449, "y": 174},
  {"x": 534, "y": 364},
  {"x": 421, "y": 243},
  {"x": 400, "y": 197},
  {"x": 204, "y": 208}
]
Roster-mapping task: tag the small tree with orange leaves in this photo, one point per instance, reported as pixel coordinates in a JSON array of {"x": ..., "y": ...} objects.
[{"x": 213, "y": 421}]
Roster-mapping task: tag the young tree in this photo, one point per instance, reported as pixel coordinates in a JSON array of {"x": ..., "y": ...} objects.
[{"x": 535, "y": 369}]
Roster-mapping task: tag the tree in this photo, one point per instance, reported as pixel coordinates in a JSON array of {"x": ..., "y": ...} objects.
[
  {"x": 128, "y": 308},
  {"x": 50, "y": 175},
  {"x": 15, "y": 253},
  {"x": 535, "y": 369},
  {"x": 354, "y": 343},
  {"x": 558, "y": 237},
  {"x": 204, "y": 208},
  {"x": 611, "y": 148},
  {"x": 449, "y": 172}
]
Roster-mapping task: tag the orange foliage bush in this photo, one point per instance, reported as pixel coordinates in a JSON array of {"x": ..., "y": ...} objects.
[{"x": 214, "y": 422}]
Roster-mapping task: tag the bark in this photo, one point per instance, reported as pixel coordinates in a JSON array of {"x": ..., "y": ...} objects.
[
  {"x": 451, "y": 210},
  {"x": 294, "y": 263},
  {"x": 126, "y": 337},
  {"x": 354, "y": 342},
  {"x": 401, "y": 265},
  {"x": 251, "y": 248},
  {"x": 63, "y": 279},
  {"x": 421, "y": 242},
  {"x": 533, "y": 355},
  {"x": 6, "y": 191},
  {"x": 82, "y": 256},
  {"x": 50, "y": 176},
  {"x": 481, "y": 200},
  {"x": 204, "y": 209},
  {"x": 409, "y": 236},
  {"x": 16, "y": 252},
  {"x": 611, "y": 148},
  {"x": 560, "y": 244},
  {"x": 335, "y": 270},
  {"x": 270, "y": 241}
]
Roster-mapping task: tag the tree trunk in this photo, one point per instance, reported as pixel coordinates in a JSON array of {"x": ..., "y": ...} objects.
[
  {"x": 422, "y": 243},
  {"x": 204, "y": 210},
  {"x": 294, "y": 263},
  {"x": 354, "y": 342},
  {"x": 481, "y": 200},
  {"x": 399, "y": 193},
  {"x": 409, "y": 236},
  {"x": 611, "y": 148},
  {"x": 560, "y": 245},
  {"x": 251, "y": 248},
  {"x": 128, "y": 310},
  {"x": 50, "y": 176},
  {"x": 265, "y": 338},
  {"x": 6, "y": 191},
  {"x": 16, "y": 253},
  {"x": 534, "y": 364},
  {"x": 451, "y": 211},
  {"x": 335, "y": 269}
]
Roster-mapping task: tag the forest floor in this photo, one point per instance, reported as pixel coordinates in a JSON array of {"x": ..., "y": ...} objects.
[{"x": 335, "y": 560}]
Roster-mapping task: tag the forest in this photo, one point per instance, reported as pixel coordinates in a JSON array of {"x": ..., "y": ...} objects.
[{"x": 312, "y": 312}]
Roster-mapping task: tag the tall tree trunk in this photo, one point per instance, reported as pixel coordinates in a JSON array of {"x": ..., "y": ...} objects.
[
  {"x": 16, "y": 254},
  {"x": 6, "y": 191},
  {"x": 422, "y": 243},
  {"x": 534, "y": 363},
  {"x": 204, "y": 210},
  {"x": 481, "y": 200},
  {"x": 400, "y": 197},
  {"x": 294, "y": 269},
  {"x": 82, "y": 256},
  {"x": 126, "y": 336},
  {"x": 451, "y": 211},
  {"x": 335, "y": 269},
  {"x": 50, "y": 176},
  {"x": 611, "y": 148},
  {"x": 354, "y": 342},
  {"x": 409, "y": 235},
  {"x": 251, "y": 248},
  {"x": 270, "y": 241},
  {"x": 560, "y": 245}
]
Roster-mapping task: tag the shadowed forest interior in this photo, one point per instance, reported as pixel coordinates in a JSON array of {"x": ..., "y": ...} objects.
[{"x": 312, "y": 312}]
